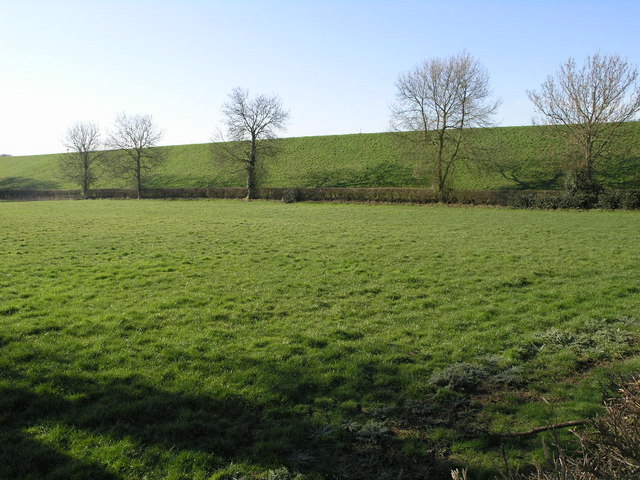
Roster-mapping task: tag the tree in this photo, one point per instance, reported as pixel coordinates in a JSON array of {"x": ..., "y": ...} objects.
[
  {"x": 250, "y": 123},
  {"x": 437, "y": 102},
  {"x": 587, "y": 104},
  {"x": 79, "y": 165},
  {"x": 135, "y": 139}
]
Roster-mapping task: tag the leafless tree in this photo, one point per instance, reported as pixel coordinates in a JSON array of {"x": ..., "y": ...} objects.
[
  {"x": 135, "y": 141},
  {"x": 588, "y": 104},
  {"x": 80, "y": 164},
  {"x": 251, "y": 123},
  {"x": 437, "y": 102}
]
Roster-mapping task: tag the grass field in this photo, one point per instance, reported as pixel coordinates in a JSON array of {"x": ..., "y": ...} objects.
[
  {"x": 359, "y": 160},
  {"x": 159, "y": 339}
]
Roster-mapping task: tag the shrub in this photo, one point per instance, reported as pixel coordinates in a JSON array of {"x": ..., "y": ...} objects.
[
  {"x": 626, "y": 199},
  {"x": 609, "y": 449},
  {"x": 521, "y": 200},
  {"x": 610, "y": 200},
  {"x": 579, "y": 182},
  {"x": 290, "y": 195},
  {"x": 548, "y": 200},
  {"x": 630, "y": 199}
]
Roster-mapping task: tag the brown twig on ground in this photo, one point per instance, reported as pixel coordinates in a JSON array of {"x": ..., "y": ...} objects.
[{"x": 546, "y": 428}]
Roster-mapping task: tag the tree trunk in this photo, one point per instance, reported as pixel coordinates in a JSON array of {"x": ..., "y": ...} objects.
[
  {"x": 251, "y": 170},
  {"x": 85, "y": 177},
  {"x": 439, "y": 167},
  {"x": 251, "y": 181},
  {"x": 442, "y": 191},
  {"x": 138, "y": 178}
]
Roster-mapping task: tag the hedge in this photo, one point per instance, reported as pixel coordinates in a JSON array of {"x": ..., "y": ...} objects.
[{"x": 610, "y": 199}]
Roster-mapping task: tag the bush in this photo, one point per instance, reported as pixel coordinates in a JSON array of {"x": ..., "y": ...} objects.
[
  {"x": 609, "y": 446},
  {"x": 609, "y": 449},
  {"x": 549, "y": 200},
  {"x": 630, "y": 200},
  {"x": 578, "y": 182},
  {"x": 521, "y": 200},
  {"x": 290, "y": 195},
  {"x": 613, "y": 199},
  {"x": 624, "y": 199},
  {"x": 609, "y": 200}
]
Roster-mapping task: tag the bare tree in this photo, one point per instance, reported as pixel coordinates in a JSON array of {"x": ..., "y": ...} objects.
[
  {"x": 135, "y": 139},
  {"x": 250, "y": 123},
  {"x": 436, "y": 104},
  {"x": 588, "y": 104},
  {"x": 79, "y": 165}
]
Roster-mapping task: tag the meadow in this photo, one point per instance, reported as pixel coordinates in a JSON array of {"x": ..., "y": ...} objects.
[
  {"x": 225, "y": 339},
  {"x": 358, "y": 160}
]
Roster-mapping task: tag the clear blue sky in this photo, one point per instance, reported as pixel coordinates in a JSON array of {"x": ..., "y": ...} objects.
[{"x": 333, "y": 63}]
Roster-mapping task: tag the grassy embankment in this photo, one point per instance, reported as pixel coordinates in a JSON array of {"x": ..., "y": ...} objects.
[
  {"x": 359, "y": 160},
  {"x": 186, "y": 339}
]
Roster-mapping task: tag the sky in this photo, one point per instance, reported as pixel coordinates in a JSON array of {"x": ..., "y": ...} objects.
[{"x": 334, "y": 64}]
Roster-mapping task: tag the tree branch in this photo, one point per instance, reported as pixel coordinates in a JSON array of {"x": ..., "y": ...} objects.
[{"x": 546, "y": 428}]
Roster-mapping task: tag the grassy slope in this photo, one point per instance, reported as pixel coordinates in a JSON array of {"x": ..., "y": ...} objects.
[
  {"x": 177, "y": 339},
  {"x": 342, "y": 160}
]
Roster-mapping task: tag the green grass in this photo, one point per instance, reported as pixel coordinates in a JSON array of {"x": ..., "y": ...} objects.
[
  {"x": 358, "y": 160},
  {"x": 159, "y": 339}
]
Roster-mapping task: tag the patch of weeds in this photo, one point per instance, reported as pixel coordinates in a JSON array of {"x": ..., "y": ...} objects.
[
  {"x": 512, "y": 377},
  {"x": 488, "y": 372},
  {"x": 281, "y": 473},
  {"x": 461, "y": 377},
  {"x": 373, "y": 431},
  {"x": 596, "y": 340}
]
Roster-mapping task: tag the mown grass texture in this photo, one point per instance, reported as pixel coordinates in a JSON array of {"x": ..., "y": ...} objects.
[
  {"x": 357, "y": 160},
  {"x": 159, "y": 339}
]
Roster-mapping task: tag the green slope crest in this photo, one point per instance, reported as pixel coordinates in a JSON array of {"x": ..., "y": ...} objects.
[{"x": 501, "y": 158}]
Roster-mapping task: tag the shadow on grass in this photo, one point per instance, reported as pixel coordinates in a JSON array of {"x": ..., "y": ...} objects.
[
  {"x": 554, "y": 182},
  {"x": 164, "y": 180},
  {"x": 24, "y": 183},
  {"x": 24, "y": 457},
  {"x": 126, "y": 408},
  {"x": 623, "y": 173},
  {"x": 212, "y": 431}
]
